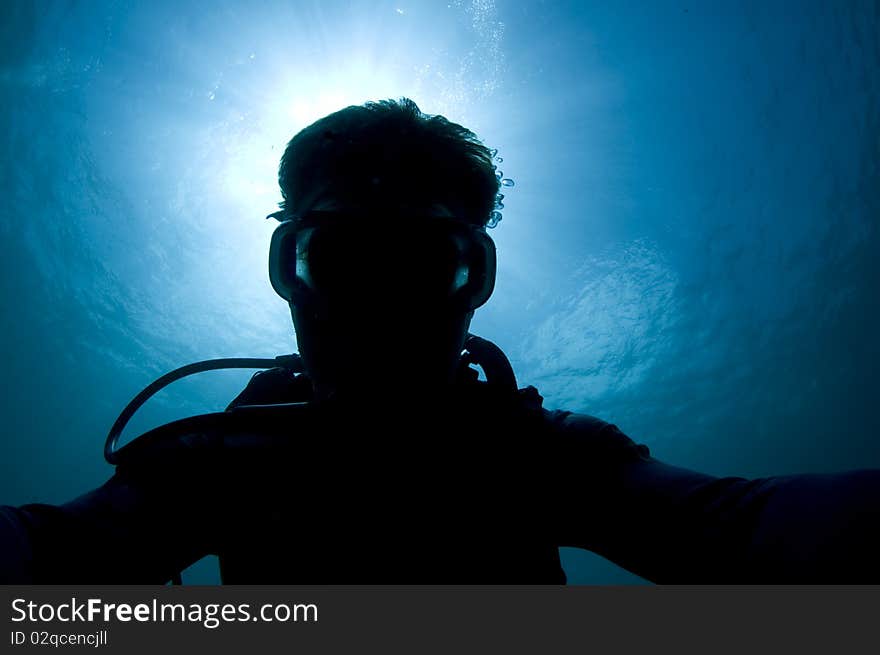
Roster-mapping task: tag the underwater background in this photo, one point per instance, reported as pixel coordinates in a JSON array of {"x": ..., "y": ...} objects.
[{"x": 690, "y": 250}]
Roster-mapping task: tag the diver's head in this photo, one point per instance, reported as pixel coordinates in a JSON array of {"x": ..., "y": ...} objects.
[{"x": 382, "y": 252}]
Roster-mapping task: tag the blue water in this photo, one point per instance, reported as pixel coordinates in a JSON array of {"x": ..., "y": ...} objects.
[{"x": 690, "y": 250}]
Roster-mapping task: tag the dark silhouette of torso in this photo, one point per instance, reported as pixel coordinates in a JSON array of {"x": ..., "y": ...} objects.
[{"x": 457, "y": 491}]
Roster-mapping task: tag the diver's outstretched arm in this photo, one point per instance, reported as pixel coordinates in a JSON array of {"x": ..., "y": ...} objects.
[
  {"x": 119, "y": 533},
  {"x": 673, "y": 525}
]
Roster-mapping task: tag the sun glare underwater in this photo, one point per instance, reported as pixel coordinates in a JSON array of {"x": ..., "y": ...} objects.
[{"x": 690, "y": 250}]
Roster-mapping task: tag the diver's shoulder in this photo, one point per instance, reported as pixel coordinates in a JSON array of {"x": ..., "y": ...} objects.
[
  {"x": 580, "y": 434},
  {"x": 590, "y": 435}
]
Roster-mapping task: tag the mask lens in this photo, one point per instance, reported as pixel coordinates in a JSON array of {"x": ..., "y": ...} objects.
[{"x": 331, "y": 258}]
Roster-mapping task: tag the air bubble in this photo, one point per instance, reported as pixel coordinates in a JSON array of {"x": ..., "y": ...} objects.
[
  {"x": 507, "y": 182},
  {"x": 494, "y": 219},
  {"x": 499, "y": 159},
  {"x": 493, "y": 152},
  {"x": 499, "y": 174}
]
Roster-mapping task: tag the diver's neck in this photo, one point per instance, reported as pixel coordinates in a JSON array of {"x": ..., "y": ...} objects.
[{"x": 401, "y": 390}]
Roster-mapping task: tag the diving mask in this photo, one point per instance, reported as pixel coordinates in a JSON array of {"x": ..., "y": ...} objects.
[{"x": 351, "y": 257}]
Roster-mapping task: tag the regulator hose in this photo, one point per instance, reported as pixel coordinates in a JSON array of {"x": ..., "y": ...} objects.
[{"x": 291, "y": 362}]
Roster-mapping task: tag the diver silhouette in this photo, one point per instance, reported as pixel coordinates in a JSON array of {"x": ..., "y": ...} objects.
[{"x": 387, "y": 460}]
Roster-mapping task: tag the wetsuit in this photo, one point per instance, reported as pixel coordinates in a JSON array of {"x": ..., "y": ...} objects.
[{"x": 474, "y": 487}]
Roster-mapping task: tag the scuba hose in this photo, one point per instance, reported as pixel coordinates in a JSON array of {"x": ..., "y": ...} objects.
[
  {"x": 291, "y": 362},
  {"x": 477, "y": 350}
]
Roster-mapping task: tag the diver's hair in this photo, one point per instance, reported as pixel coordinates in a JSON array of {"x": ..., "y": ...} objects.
[{"x": 391, "y": 149}]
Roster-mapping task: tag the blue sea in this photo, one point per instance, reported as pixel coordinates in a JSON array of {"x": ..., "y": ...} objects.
[{"x": 690, "y": 250}]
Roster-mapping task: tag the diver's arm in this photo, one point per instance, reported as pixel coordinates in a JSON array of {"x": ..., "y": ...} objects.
[
  {"x": 672, "y": 525},
  {"x": 121, "y": 532}
]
